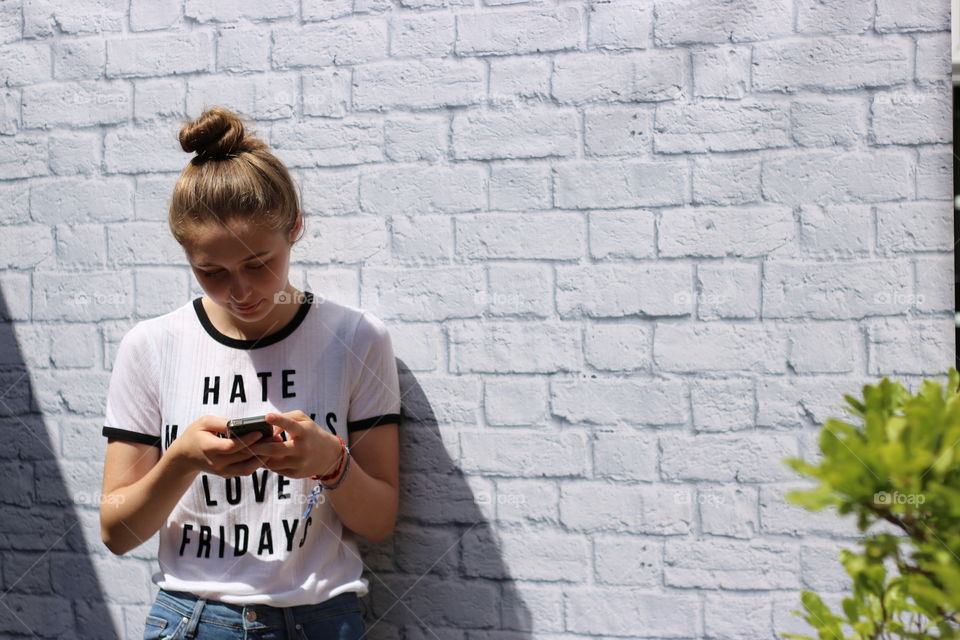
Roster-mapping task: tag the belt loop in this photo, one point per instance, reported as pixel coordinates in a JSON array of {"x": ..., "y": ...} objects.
[
  {"x": 291, "y": 625},
  {"x": 195, "y": 618}
]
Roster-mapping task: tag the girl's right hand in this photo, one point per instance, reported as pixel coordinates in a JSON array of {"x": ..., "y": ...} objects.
[{"x": 200, "y": 449}]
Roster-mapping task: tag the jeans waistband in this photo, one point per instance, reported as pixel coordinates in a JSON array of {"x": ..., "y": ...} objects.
[{"x": 253, "y": 616}]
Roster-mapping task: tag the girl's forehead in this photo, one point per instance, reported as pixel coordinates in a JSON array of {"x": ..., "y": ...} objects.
[{"x": 231, "y": 243}]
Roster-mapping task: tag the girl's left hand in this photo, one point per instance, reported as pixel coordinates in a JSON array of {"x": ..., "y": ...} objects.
[{"x": 308, "y": 450}]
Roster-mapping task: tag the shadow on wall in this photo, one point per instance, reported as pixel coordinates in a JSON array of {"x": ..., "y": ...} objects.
[
  {"x": 49, "y": 586},
  {"x": 441, "y": 573}
]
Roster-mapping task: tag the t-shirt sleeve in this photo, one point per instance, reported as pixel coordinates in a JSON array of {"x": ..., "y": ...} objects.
[
  {"x": 133, "y": 409},
  {"x": 375, "y": 393}
]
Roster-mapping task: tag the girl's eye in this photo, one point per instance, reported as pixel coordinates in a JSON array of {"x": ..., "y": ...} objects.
[
  {"x": 211, "y": 274},
  {"x": 259, "y": 266}
]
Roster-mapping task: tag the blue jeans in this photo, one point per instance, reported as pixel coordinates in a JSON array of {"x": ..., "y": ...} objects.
[{"x": 178, "y": 614}]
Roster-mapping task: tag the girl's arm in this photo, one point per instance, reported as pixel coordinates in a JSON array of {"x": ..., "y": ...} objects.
[
  {"x": 366, "y": 502},
  {"x": 140, "y": 489}
]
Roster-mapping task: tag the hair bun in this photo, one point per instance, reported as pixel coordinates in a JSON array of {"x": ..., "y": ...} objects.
[{"x": 217, "y": 133}]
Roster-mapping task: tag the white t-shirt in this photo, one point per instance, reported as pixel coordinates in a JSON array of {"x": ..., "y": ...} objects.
[{"x": 241, "y": 540}]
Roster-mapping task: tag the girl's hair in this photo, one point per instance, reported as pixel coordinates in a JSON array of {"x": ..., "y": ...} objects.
[{"x": 234, "y": 176}]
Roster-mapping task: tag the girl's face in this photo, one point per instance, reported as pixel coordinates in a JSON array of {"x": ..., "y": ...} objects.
[{"x": 242, "y": 268}]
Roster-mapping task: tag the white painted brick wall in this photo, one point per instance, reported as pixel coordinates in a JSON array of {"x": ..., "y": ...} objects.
[{"x": 631, "y": 254}]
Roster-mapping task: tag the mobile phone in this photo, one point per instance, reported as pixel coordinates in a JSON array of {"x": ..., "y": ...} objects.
[{"x": 242, "y": 426}]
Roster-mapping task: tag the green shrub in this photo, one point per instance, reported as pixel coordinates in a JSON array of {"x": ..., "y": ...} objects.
[{"x": 898, "y": 464}]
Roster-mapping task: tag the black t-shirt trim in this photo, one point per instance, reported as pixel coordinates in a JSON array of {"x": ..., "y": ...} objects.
[
  {"x": 131, "y": 436},
  {"x": 255, "y": 343},
  {"x": 376, "y": 421}
]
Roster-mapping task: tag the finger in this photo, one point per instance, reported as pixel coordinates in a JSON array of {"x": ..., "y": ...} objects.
[
  {"x": 243, "y": 442},
  {"x": 285, "y": 422}
]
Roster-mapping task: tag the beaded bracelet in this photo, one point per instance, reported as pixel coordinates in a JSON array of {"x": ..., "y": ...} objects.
[{"x": 315, "y": 494}]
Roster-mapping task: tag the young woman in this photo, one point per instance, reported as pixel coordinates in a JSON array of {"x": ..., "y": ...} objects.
[{"x": 257, "y": 533}]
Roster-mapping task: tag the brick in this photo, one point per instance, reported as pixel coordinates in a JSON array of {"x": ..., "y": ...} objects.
[
  {"x": 82, "y": 297},
  {"x": 613, "y": 401},
  {"x": 79, "y": 60},
  {"x": 594, "y": 505},
  {"x": 831, "y": 63},
  {"x": 263, "y": 97},
  {"x": 821, "y": 568},
  {"x": 417, "y": 84},
  {"x": 231, "y": 12},
  {"x": 519, "y": 187},
  {"x": 240, "y": 49},
  {"x": 615, "y": 131},
  {"x": 730, "y": 564},
  {"x": 489, "y": 236},
  {"x": 322, "y": 143},
  {"x": 526, "y": 554},
  {"x": 153, "y": 15},
  {"x": 319, "y": 10},
  {"x": 75, "y": 152},
  {"x": 416, "y": 547},
  {"x": 840, "y": 230},
  {"x": 14, "y": 202},
  {"x": 422, "y": 294},
  {"x": 142, "y": 243},
  {"x": 332, "y": 193},
  {"x": 933, "y": 291},
  {"x": 824, "y": 347},
  {"x": 706, "y": 231},
  {"x": 76, "y": 199},
  {"x": 727, "y": 347},
  {"x": 935, "y": 172},
  {"x": 529, "y": 607},
  {"x": 409, "y": 139},
  {"x": 81, "y": 104},
  {"x": 515, "y": 400},
  {"x": 45, "y": 17},
  {"x": 854, "y": 16},
  {"x": 517, "y": 133},
  {"x": 725, "y": 404},
  {"x": 160, "y": 55},
  {"x": 326, "y": 92},
  {"x": 519, "y": 290},
  {"x": 734, "y": 617},
  {"x": 11, "y": 18},
  {"x": 607, "y": 184},
  {"x": 417, "y": 344},
  {"x": 515, "y": 78},
  {"x": 726, "y": 458},
  {"x": 934, "y": 58},
  {"x": 620, "y": 26},
  {"x": 780, "y": 517},
  {"x": 159, "y": 290},
  {"x": 351, "y": 240},
  {"x": 421, "y": 239},
  {"x": 17, "y": 303},
  {"x": 729, "y": 510},
  {"x": 619, "y": 347},
  {"x": 422, "y": 36},
  {"x": 521, "y": 500},
  {"x": 514, "y": 32},
  {"x": 710, "y": 125},
  {"x": 915, "y": 226},
  {"x": 802, "y": 401},
  {"x": 622, "y": 611},
  {"x": 912, "y": 118},
  {"x": 621, "y": 234},
  {"x": 29, "y": 613},
  {"x": 158, "y": 98},
  {"x": 349, "y": 42},
  {"x": 628, "y": 560},
  {"x": 23, "y": 157},
  {"x": 395, "y": 190},
  {"x": 150, "y": 197},
  {"x": 644, "y": 76},
  {"x": 821, "y": 177},
  {"x": 835, "y": 291},
  {"x": 527, "y": 453},
  {"x": 624, "y": 290},
  {"x": 81, "y": 246},
  {"x": 911, "y": 15},
  {"x": 830, "y": 121},
  {"x": 622, "y": 455},
  {"x": 10, "y": 118},
  {"x": 146, "y": 149},
  {"x": 911, "y": 346},
  {"x": 24, "y": 246},
  {"x": 508, "y": 347},
  {"x": 721, "y": 72},
  {"x": 715, "y": 21},
  {"x": 728, "y": 291},
  {"x": 721, "y": 180}
]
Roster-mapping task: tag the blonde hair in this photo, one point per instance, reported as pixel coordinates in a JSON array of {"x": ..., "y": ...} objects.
[{"x": 234, "y": 176}]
